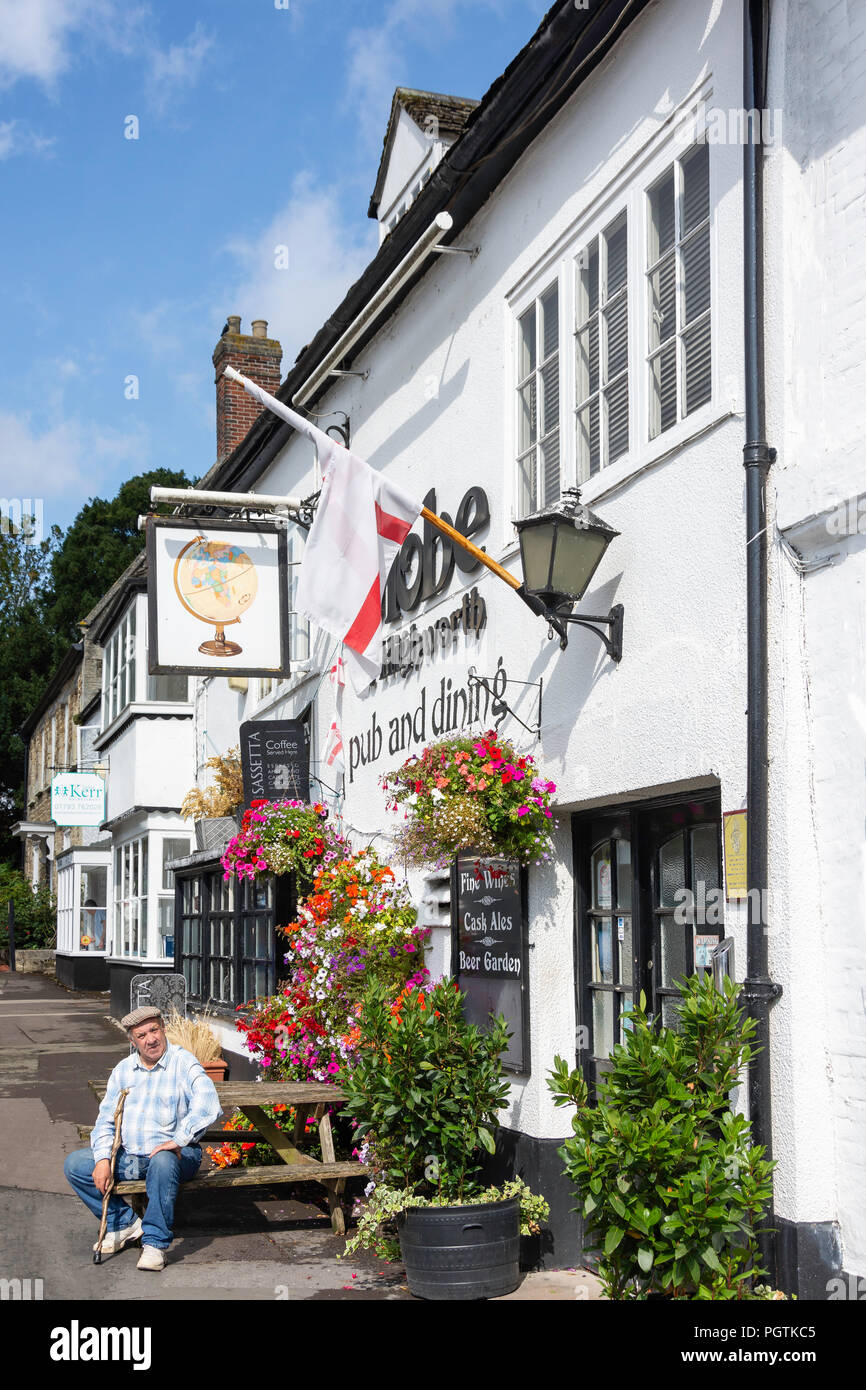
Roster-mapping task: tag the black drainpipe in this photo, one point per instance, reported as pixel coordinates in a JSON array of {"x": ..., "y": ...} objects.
[{"x": 759, "y": 991}]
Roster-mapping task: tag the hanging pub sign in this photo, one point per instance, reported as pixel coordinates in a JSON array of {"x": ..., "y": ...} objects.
[
  {"x": 77, "y": 798},
  {"x": 489, "y": 917},
  {"x": 217, "y": 598},
  {"x": 275, "y": 760}
]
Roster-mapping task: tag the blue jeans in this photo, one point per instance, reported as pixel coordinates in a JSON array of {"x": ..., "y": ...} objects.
[{"x": 161, "y": 1174}]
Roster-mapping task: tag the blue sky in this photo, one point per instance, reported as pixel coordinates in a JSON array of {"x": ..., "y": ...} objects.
[{"x": 260, "y": 122}]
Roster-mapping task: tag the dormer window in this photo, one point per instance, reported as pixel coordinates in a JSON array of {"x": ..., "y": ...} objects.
[{"x": 421, "y": 128}]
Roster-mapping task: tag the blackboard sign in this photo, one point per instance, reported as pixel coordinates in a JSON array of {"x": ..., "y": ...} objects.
[
  {"x": 488, "y": 902},
  {"x": 275, "y": 760}
]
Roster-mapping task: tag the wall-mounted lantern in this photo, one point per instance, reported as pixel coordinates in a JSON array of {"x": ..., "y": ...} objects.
[{"x": 561, "y": 547}]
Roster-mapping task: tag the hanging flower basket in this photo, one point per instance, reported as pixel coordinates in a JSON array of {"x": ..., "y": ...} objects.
[
  {"x": 282, "y": 837},
  {"x": 471, "y": 794}
]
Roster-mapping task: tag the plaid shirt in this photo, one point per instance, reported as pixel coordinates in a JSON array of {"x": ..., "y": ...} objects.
[{"x": 176, "y": 1100}]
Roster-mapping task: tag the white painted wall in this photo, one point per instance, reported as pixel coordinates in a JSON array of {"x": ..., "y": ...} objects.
[
  {"x": 437, "y": 408},
  {"x": 816, "y": 199}
]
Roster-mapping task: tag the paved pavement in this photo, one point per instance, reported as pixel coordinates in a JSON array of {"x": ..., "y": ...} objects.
[{"x": 253, "y": 1244}]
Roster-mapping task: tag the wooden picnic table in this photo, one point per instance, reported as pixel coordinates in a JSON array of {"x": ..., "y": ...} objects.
[{"x": 295, "y": 1165}]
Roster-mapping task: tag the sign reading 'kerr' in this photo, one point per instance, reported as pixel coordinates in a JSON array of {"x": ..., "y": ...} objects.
[{"x": 77, "y": 798}]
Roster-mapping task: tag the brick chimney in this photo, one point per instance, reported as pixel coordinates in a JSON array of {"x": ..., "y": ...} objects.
[{"x": 256, "y": 356}]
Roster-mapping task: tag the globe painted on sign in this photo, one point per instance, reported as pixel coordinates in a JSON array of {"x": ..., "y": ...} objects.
[{"x": 216, "y": 582}]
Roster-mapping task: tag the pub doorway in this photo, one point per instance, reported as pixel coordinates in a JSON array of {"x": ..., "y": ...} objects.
[{"x": 648, "y": 910}]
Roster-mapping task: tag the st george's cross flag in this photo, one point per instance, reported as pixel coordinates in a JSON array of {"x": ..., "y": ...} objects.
[
  {"x": 361, "y": 522},
  {"x": 334, "y": 756}
]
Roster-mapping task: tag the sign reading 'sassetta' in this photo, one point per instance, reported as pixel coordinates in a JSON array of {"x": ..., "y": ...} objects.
[
  {"x": 77, "y": 798},
  {"x": 217, "y": 595}
]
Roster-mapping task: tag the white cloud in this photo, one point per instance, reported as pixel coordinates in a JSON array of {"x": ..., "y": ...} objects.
[
  {"x": 41, "y": 39},
  {"x": 378, "y": 59},
  {"x": 16, "y": 137},
  {"x": 35, "y": 35},
  {"x": 326, "y": 253},
  {"x": 65, "y": 462},
  {"x": 175, "y": 69}
]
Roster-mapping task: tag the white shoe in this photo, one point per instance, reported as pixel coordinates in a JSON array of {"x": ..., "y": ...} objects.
[
  {"x": 115, "y": 1240},
  {"x": 151, "y": 1258}
]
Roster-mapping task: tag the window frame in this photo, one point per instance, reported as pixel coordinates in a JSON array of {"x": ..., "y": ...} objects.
[
  {"x": 140, "y": 690},
  {"x": 281, "y": 906},
  {"x": 535, "y": 377},
  {"x": 628, "y": 192},
  {"x": 682, "y": 329}
]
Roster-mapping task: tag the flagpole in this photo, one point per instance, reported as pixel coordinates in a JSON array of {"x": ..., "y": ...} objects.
[{"x": 465, "y": 544}]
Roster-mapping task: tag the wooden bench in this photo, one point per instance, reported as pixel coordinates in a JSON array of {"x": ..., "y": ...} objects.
[{"x": 250, "y": 1097}]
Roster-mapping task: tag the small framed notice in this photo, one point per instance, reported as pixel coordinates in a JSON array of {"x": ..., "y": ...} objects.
[
  {"x": 489, "y": 947},
  {"x": 217, "y": 598},
  {"x": 736, "y": 870}
]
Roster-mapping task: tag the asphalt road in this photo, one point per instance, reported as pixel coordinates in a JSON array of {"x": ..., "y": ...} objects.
[{"x": 252, "y": 1244}]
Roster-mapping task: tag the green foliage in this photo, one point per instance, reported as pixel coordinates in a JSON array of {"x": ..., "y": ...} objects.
[
  {"x": 98, "y": 546},
  {"x": 428, "y": 1087},
  {"x": 46, "y": 588},
  {"x": 377, "y": 1230},
  {"x": 29, "y": 651},
  {"x": 35, "y": 912},
  {"x": 669, "y": 1183}
]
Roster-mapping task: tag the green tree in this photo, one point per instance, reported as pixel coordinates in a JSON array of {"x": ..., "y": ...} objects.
[
  {"x": 29, "y": 651},
  {"x": 98, "y": 546}
]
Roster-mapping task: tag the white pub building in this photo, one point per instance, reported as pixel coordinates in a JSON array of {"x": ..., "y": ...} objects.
[{"x": 626, "y": 272}]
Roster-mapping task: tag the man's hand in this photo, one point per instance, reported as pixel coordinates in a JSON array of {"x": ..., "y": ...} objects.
[
  {"x": 102, "y": 1175},
  {"x": 169, "y": 1144}
]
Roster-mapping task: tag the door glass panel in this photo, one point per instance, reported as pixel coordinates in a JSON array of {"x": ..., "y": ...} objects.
[
  {"x": 623, "y": 875},
  {"x": 671, "y": 870},
  {"x": 625, "y": 1021},
  {"x": 626, "y": 950},
  {"x": 671, "y": 1014},
  {"x": 673, "y": 938},
  {"x": 602, "y": 954},
  {"x": 601, "y": 877},
  {"x": 705, "y": 857},
  {"x": 603, "y": 1006}
]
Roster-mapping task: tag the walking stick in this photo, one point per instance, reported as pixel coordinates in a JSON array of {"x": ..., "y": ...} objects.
[{"x": 118, "y": 1114}]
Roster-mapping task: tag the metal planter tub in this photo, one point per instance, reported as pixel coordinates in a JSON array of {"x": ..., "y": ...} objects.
[{"x": 461, "y": 1252}]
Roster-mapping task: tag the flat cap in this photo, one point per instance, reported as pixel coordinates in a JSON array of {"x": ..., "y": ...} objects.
[{"x": 140, "y": 1016}]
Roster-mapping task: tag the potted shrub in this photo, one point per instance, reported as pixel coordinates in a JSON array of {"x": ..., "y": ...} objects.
[
  {"x": 425, "y": 1087},
  {"x": 196, "y": 1035},
  {"x": 475, "y": 793},
  {"x": 668, "y": 1181}
]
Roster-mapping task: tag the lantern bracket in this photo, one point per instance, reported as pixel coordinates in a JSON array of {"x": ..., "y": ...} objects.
[{"x": 557, "y": 619}]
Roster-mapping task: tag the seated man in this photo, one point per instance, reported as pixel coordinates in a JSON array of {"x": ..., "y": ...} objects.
[{"x": 171, "y": 1102}]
